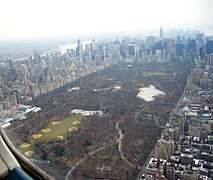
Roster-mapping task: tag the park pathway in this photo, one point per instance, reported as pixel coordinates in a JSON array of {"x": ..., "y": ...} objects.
[{"x": 119, "y": 142}]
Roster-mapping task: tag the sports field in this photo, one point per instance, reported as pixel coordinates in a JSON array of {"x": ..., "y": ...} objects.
[
  {"x": 58, "y": 129},
  {"x": 146, "y": 74}
]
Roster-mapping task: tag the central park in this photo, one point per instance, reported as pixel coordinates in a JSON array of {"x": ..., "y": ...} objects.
[{"x": 112, "y": 145}]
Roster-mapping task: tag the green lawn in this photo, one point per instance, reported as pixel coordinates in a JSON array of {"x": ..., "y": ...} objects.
[
  {"x": 146, "y": 73},
  {"x": 61, "y": 129}
]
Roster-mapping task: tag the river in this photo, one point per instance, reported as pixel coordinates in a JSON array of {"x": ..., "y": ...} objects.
[{"x": 72, "y": 46}]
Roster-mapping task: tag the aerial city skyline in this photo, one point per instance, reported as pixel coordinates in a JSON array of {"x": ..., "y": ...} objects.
[
  {"x": 107, "y": 89},
  {"x": 154, "y": 48},
  {"x": 128, "y": 108}
]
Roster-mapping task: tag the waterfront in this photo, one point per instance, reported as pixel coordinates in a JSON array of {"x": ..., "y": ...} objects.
[{"x": 64, "y": 48}]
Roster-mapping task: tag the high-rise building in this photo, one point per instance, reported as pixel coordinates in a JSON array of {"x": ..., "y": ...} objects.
[
  {"x": 210, "y": 59},
  {"x": 131, "y": 49},
  {"x": 170, "y": 47},
  {"x": 192, "y": 48},
  {"x": 202, "y": 52},
  {"x": 209, "y": 46},
  {"x": 191, "y": 45},
  {"x": 165, "y": 148},
  {"x": 37, "y": 58},
  {"x": 123, "y": 50},
  {"x": 199, "y": 38},
  {"x": 161, "y": 32},
  {"x": 104, "y": 51},
  {"x": 78, "y": 48},
  {"x": 93, "y": 45},
  {"x": 179, "y": 39},
  {"x": 179, "y": 49},
  {"x": 159, "y": 45},
  {"x": 150, "y": 41}
]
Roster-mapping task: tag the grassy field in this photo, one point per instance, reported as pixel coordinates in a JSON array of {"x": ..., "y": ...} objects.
[
  {"x": 146, "y": 73},
  {"x": 61, "y": 129}
]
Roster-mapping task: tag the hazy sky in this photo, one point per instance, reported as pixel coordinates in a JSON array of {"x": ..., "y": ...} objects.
[{"x": 39, "y": 18}]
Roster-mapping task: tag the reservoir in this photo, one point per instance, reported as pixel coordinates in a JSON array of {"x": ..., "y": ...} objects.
[{"x": 149, "y": 93}]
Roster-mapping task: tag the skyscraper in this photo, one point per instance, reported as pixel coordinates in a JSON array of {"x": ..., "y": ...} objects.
[
  {"x": 37, "y": 58},
  {"x": 192, "y": 48},
  {"x": 131, "y": 50},
  {"x": 170, "y": 46},
  {"x": 209, "y": 46},
  {"x": 199, "y": 38},
  {"x": 179, "y": 49},
  {"x": 78, "y": 48},
  {"x": 161, "y": 32},
  {"x": 150, "y": 41},
  {"x": 210, "y": 59},
  {"x": 202, "y": 52}
]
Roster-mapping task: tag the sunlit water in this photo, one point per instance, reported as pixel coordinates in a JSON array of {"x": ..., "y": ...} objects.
[
  {"x": 64, "y": 48},
  {"x": 149, "y": 93}
]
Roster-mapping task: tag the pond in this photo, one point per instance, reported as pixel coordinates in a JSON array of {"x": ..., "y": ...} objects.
[{"x": 149, "y": 93}]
